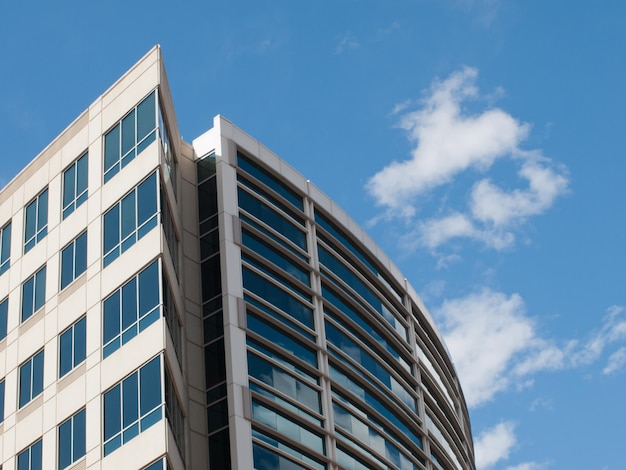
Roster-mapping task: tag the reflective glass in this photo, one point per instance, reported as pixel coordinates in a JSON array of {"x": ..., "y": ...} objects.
[
  {"x": 72, "y": 346},
  {"x": 111, "y": 228},
  {"x": 270, "y": 180},
  {"x": 150, "y": 396},
  {"x": 131, "y": 309},
  {"x": 128, "y": 132},
  {"x": 111, "y": 150},
  {"x": 69, "y": 185},
  {"x": 2, "y": 401},
  {"x": 146, "y": 117},
  {"x": 271, "y": 217},
  {"x": 112, "y": 403},
  {"x": 277, "y": 297},
  {"x": 5, "y": 248},
  {"x": 274, "y": 256},
  {"x": 125, "y": 413},
  {"x": 4, "y": 311},
  {"x": 281, "y": 340},
  {"x": 146, "y": 199}
]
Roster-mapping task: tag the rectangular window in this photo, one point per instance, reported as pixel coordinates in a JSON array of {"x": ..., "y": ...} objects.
[
  {"x": 73, "y": 260},
  {"x": 130, "y": 219},
  {"x": 31, "y": 379},
  {"x": 75, "y": 185},
  {"x": 5, "y": 248},
  {"x": 72, "y": 441},
  {"x": 130, "y": 309},
  {"x": 174, "y": 413},
  {"x": 130, "y": 136},
  {"x": 30, "y": 458},
  {"x": 4, "y": 313},
  {"x": 36, "y": 225},
  {"x": 133, "y": 405},
  {"x": 72, "y": 346},
  {"x": 33, "y": 293},
  {"x": 160, "y": 464},
  {"x": 2, "y": 401}
]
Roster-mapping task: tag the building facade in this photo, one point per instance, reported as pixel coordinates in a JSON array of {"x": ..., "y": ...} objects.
[{"x": 167, "y": 305}]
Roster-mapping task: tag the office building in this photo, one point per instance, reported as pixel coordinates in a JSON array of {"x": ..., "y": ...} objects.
[{"x": 174, "y": 305}]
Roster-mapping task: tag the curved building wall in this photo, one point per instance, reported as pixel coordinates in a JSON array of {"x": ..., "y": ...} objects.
[{"x": 331, "y": 360}]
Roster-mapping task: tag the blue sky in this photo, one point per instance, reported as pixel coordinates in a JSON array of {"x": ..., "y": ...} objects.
[{"x": 481, "y": 142}]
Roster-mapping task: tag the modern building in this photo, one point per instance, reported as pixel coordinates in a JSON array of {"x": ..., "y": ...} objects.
[{"x": 166, "y": 305}]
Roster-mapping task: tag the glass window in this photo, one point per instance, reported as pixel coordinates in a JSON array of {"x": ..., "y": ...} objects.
[
  {"x": 171, "y": 317},
  {"x": 133, "y": 405},
  {"x": 33, "y": 293},
  {"x": 131, "y": 309},
  {"x": 287, "y": 426},
  {"x": 31, "y": 379},
  {"x": 72, "y": 346},
  {"x": 2, "y": 401},
  {"x": 275, "y": 377},
  {"x": 174, "y": 413},
  {"x": 269, "y": 180},
  {"x": 160, "y": 464},
  {"x": 277, "y": 297},
  {"x": 356, "y": 316},
  {"x": 74, "y": 259},
  {"x": 130, "y": 219},
  {"x": 75, "y": 185},
  {"x": 30, "y": 458},
  {"x": 271, "y": 441},
  {"x": 272, "y": 218},
  {"x": 258, "y": 246},
  {"x": 5, "y": 248},
  {"x": 36, "y": 224},
  {"x": 281, "y": 340},
  {"x": 72, "y": 439},
  {"x": 4, "y": 313},
  {"x": 130, "y": 136},
  {"x": 167, "y": 221}
]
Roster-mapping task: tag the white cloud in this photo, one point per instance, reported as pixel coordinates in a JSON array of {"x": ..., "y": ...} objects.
[
  {"x": 347, "y": 42},
  {"x": 527, "y": 466},
  {"x": 492, "y": 205},
  {"x": 616, "y": 362},
  {"x": 494, "y": 445},
  {"x": 484, "y": 333},
  {"x": 448, "y": 141},
  {"x": 496, "y": 346},
  {"x": 434, "y": 232}
]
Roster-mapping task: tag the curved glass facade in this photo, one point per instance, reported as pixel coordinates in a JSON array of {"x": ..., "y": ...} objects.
[{"x": 343, "y": 369}]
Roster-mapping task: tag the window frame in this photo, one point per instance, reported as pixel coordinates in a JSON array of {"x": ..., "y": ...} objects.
[
  {"x": 124, "y": 434},
  {"x": 78, "y": 198},
  {"x": 75, "y": 274},
  {"x": 36, "y": 277},
  {"x": 124, "y": 242},
  {"x": 5, "y": 251},
  {"x": 73, "y": 439},
  {"x": 141, "y": 322},
  {"x": 4, "y": 316},
  {"x": 123, "y": 159},
  {"x": 40, "y": 232},
  {"x": 30, "y": 450},
  {"x": 32, "y": 391},
  {"x": 80, "y": 324}
]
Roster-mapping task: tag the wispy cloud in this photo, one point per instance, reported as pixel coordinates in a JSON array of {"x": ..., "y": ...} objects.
[
  {"x": 616, "y": 361},
  {"x": 494, "y": 445},
  {"x": 448, "y": 141},
  {"x": 496, "y": 345},
  {"x": 346, "y": 42}
]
